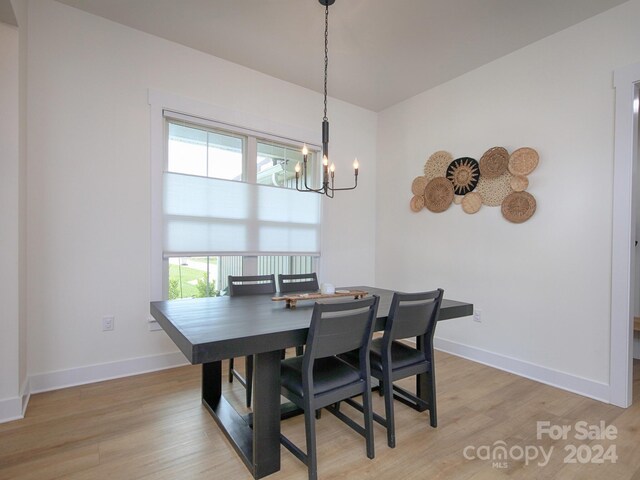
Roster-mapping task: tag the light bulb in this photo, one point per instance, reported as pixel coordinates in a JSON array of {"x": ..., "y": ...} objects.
[{"x": 304, "y": 150}]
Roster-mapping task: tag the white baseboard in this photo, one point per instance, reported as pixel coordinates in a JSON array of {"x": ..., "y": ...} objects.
[
  {"x": 10, "y": 409},
  {"x": 44, "y": 382},
  {"x": 572, "y": 383},
  {"x": 13, "y": 408}
]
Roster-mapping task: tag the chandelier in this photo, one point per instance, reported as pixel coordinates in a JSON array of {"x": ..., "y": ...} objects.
[{"x": 328, "y": 172}]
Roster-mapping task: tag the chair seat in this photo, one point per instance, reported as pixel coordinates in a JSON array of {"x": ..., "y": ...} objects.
[
  {"x": 328, "y": 373},
  {"x": 401, "y": 356}
]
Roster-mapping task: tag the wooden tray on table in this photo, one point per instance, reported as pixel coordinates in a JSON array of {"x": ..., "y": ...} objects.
[{"x": 292, "y": 299}]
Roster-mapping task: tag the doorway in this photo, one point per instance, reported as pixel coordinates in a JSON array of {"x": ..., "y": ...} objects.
[{"x": 626, "y": 193}]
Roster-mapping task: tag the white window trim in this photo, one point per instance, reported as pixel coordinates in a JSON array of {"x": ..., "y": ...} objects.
[{"x": 160, "y": 101}]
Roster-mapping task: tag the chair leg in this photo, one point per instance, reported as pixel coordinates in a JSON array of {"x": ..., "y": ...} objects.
[
  {"x": 433, "y": 411},
  {"x": 230, "y": 370},
  {"x": 318, "y": 414},
  {"x": 388, "y": 410},
  {"x": 368, "y": 421},
  {"x": 299, "y": 350},
  {"x": 249, "y": 377},
  {"x": 380, "y": 387},
  {"x": 310, "y": 430}
]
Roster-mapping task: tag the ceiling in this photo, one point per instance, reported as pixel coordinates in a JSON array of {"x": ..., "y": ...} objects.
[{"x": 380, "y": 51}]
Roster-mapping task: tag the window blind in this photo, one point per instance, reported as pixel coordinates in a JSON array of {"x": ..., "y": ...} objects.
[{"x": 210, "y": 216}]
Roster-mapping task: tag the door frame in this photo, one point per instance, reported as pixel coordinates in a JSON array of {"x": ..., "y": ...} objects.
[{"x": 626, "y": 82}]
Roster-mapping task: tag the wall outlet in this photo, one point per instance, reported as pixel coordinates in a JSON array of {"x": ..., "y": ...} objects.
[
  {"x": 108, "y": 323},
  {"x": 153, "y": 325},
  {"x": 477, "y": 316}
]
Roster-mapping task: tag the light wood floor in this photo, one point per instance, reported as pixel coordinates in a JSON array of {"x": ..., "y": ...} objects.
[{"x": 153, "y": 426}]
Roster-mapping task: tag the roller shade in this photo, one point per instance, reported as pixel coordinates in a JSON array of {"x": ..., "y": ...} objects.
[{"x": 210, "y": 216}]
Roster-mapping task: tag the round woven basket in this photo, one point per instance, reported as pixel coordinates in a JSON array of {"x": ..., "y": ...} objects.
[
  {"x": 494, "y": 162},
  {"x": 519, "y": 183},
  {"x": 436, "y": 165},
  {"x": 416, "y": 203},
  {"x": 418, "y": 184},
  {"x": 523, "y": 161},
  {"x": 438, "y": 194},
  {"x": 463, "y": 173},
  {"x": 494, "y": 190},
  {"x": 518, "y": 207},
  {"x": 457, "y": 199},
  {"x": 471, "y": 202}
]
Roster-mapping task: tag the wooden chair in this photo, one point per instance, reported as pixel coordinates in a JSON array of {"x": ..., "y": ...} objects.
[
  {"x": 298, "y": 282},
  {"x": 248, "y": 285},
  {"x": 410, "y": 315},
  {"x": 319, "y": 379}
]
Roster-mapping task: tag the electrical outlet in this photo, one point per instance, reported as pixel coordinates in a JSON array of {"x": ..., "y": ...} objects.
[
  {"x": 153, "y": 325},
  {"x": 477, "y": 316},
  {"x": 108, "y": 323}
]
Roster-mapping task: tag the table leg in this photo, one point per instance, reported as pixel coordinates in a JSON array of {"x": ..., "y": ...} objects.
[
  {"x": 258, "y": 447},
  {"x": 266, "y": 413},
  {"x": 211, "y": 383}
]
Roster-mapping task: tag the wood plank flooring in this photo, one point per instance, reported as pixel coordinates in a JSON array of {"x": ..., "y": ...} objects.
[{"x": 153, "y": 426}]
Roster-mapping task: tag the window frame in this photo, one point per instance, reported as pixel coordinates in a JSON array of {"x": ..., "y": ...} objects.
[{"x": 166, "y": 106}]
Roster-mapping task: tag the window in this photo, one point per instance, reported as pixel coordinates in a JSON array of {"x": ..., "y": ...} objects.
[
  {"x": 229, "y": 206},
  {"x": 276, "y": 165},
  {"x": 195, "y": 151}
]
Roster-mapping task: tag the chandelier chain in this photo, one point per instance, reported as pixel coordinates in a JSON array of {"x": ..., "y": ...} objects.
[{"x": 326, "y": 55}]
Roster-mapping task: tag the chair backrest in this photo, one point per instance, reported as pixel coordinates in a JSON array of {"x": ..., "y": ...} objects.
[
  {"x": 340, "y": 327},
  {"x": 299, "y": 282},
  {"x": 251, "y": 285},
  {"x": 413, "y": 315}
]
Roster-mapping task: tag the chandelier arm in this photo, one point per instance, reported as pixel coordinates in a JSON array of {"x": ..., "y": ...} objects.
[{"x": 344, "y": 188}]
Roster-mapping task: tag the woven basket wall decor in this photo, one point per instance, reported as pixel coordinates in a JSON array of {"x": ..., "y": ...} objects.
[
  {"x": 463, "y": 173},
  {"x": 497, "y": 180},
  {"x": 494, "y": 190},
  {"x": 418, "y": 184},
  {"x": 438, "y": 194},
  {"x": 436, "y": 165},
  {"x": 518, "y": 207},
  {"x": 519, "y": 183},
  {"x": 494, "y": 162},
  {"x": 523, "y": 161},
  {"x": 417, "y": 203},
  {"x": 471, "y": 202}
]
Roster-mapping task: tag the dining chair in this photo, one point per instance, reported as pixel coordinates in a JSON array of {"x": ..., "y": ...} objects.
[
  {"x": 298, "y": 282},
  {"x": 410, "y": 315},
  {"x": 248, "y": 285},
  {"x": 319, "y": 379}
]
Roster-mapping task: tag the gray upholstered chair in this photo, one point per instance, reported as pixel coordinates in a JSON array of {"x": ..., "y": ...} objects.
[
  {"x": 298, "y": 282},
  {"x": 248, "y": 285},
  {"x": 410, "y": 315},
  {"x": 319, "y": 379}
]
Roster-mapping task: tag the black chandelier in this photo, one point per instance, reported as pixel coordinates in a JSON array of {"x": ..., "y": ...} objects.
[{"x": 328, "y": 172}]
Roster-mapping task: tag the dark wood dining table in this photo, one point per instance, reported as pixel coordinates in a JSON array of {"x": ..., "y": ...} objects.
[{"x": 209, "y": 330}]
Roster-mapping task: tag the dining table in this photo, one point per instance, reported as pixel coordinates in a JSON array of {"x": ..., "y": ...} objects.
[{"x": 210, "y": 330}]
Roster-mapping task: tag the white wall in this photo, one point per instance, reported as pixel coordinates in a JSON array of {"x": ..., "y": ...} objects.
[
  {"x": 543, "y": 286},
  {"x": 89, "y": 186},
  {"x": 9, "y": 224}
]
